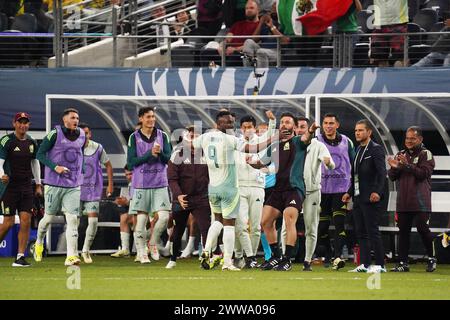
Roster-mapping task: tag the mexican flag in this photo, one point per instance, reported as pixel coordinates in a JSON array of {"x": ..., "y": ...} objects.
[
  {"x": 313, "y": 15},
  {"x": 288, "y": 13},
  {"x": 327, "y": 11}
]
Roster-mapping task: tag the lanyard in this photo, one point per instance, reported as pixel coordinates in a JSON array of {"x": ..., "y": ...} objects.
[{"x": 360, "y": 160}]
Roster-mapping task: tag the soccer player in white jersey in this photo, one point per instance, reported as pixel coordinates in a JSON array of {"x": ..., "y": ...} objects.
[{"x": 223, "y": 192}]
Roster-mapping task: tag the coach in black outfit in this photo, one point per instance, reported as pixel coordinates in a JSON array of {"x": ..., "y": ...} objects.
[{"x": 368, "y": 183}]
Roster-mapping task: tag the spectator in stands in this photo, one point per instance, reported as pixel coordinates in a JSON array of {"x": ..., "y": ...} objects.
[
  {"x": 264, "y": 49},
  {"x": 10, "y": 7},
  {"x": 440, "y": 52},
  {"x": 412, "y": 169},
  {"x": 234, "y": 10},
  {"x": 161, "y": 26},
  {"x": 233, "y": 46},
  {"x": 390, "y": 17},
  {"x": 348, "y": 24},
  {"x": 209, "y": 17},
  {"x": 183, "y": 23}
]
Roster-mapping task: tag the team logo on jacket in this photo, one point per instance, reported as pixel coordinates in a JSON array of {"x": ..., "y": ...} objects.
[
  {"x": 31, "y": 148},
  {"x": 286, "y": 147}
]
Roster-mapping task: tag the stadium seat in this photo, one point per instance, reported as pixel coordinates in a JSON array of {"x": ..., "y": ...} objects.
[
  {"x": 363, "y": 16},
  {"x": 444, "y": 7},
  {"x": 3, "y": 21},
  {"x": 26, "y": 22},
  {"x": 415, "y": 53},
  {"x": 413, "y": 39},
  {"x": 361, "y": 55},
  {"x": 426, "y": 18}
]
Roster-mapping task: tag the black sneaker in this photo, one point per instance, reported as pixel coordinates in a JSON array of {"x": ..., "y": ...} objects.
[
  {"x": 270, "y": 264},
  {"x": 401, "y": 267},
  {"x": 431, "y": 264},
  {"x": 284, "y": 265},
  {"x": 307, "y": 266},
  {"x": 251, "y": 263},
  {"x": 21, "y": 262}
]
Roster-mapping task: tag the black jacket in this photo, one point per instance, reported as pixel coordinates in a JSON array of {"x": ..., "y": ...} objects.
[{"x": 371, "y": 170}]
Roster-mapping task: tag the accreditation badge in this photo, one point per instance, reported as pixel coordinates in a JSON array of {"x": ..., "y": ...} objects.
[{"x": 356, "y": 184}]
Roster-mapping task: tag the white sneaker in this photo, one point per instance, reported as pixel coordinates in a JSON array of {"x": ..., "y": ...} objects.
[
  {"x": 145, "y": 259},
  {"x": 137, "y": 258},
  {"x": 230, "y": 268},
  {"x": 72, "y": 261},
  {"x": 376, "y": 269},
  {"x": 171, "y": 264},
  {"x": 360, "y": 268},
  {"x": 121, "y": 253},
  {"x": 86, "y": 257},
  {"x": 154, "y": 253},
  {"x": 187, "y": 252}
]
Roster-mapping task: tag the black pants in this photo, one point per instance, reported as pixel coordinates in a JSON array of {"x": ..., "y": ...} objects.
[
  {"x": 405, "y": 221},
  {"x": 202, "y": 217},
  {"x": 366, "y": 216},
  {"x": 332, "y": 207}
]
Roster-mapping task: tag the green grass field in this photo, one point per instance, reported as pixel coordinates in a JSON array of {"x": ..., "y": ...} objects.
[{"x": 109, "y": 278}]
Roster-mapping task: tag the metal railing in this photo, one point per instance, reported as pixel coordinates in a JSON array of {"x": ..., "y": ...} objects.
[{"x": 115, "y": 50}]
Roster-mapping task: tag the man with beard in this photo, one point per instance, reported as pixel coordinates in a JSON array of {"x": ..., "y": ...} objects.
[
  {"x": 233, "y": 46},
  {"x": 289, "y": 192},
  {"x": 264, "y": 49}
]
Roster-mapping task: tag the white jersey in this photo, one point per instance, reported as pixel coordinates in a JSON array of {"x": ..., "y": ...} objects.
[{"x": 219, "y": 149}]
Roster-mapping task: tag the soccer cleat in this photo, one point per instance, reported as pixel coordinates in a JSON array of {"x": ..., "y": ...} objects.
[
  {"x": 376, "y": 269},
  {"x": 338, "y": 263},
  {"x": 307, "y": 266},
  {"x": 360, "y": 268},
  {"x": 37, "y": 252},
  {"x": 270, "y": 264},
  {"x": 251, "y": 263},
  {"x": 285, "y": 264},
  {"x": 230, "y": 267},
  {"x": 431, "y": 264},
  {"x": 215, "y": 261},
  {"x": 401, "y": 267},
  {"x": 86, "y": 257},
  {"x": 72, "y": 261},
  {"x": 204, "y": 260},
  {"x": 21, "y": 262},
  {"x": 145, "y": 259},
  {"x": 137, "y": 258},
  {"x": 121, "y": 253},
  {"x": 171, "y": 264},
  {"x": 154, "y": 252},
  {"x": 239, "y": 262}
]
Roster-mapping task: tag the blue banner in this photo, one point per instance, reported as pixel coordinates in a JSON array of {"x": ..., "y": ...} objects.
[{"x": 25, "y": 89}]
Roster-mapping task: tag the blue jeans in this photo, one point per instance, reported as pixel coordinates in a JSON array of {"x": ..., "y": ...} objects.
[{"x": 434, "y": 59}]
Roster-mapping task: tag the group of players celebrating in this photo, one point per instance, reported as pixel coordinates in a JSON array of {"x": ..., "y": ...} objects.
[{"x": 236, "y": 187}]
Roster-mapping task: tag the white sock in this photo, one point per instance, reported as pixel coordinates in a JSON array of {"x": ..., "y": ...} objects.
[
  {"x": 19, "y": 255},
  {"x": 213, "y": 233},
  {"x": 134, "y": 243},
  {"x": 72, "y": 234},
  {"x": 160, "y": 226},
  {"x": 91, "y": 231},
  {"x": 140, "y": 234},
  {"x": 125, "y": 240},
  {"x": 228, "y": 243},
  {"x": 42, "y": 228}
]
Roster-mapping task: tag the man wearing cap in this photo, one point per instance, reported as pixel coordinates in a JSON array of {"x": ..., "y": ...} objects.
[{"x": 18, "y": 165}]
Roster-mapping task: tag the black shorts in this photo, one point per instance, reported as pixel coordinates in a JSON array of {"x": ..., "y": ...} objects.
[
  {"x": 280, "y": 200},
  {"x": 267, "y": 194},
  {"x": 331, "y": 204},
  {"x": 17, "y": 199}
]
